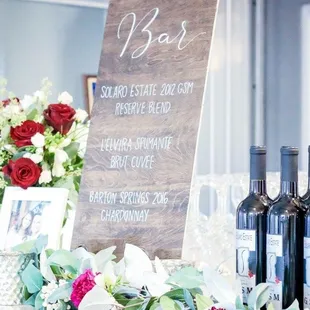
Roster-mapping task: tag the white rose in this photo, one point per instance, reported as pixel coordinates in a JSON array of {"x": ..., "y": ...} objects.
[
  {"x": 39, "y": 150},
  {"x": 38, "y": 140},
  {"x": 45, "y": 177},
  {"x": 26, "y": 102},
  {"x": 81, "y": 115},
  {"x": 39, "y": 94},
  {"x": 65, "y": 98}
]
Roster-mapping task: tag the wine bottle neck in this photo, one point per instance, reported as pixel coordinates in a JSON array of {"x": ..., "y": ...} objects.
[
  {"x": 258, "y": 187},
  {"x": 289, "y": 188}
]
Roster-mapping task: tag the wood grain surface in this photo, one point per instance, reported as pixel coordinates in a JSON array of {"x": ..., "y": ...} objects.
[{"x": 154, "y": 218}]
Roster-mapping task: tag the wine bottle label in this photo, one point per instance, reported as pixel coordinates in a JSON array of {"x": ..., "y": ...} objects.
[
  {"x": 275, "y": 269},
  {"x": 246, "y": 261},
  {"x": 306, "y": 273}
]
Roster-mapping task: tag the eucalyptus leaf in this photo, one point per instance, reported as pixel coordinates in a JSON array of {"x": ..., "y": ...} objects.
[
  {"x": 121, "y": 299},
  {"x": 135, "y": 304},
  {"x": 18, "y": 155},
  {"x": 188, "y": 277},
  {"x": 32, "y": 114},
  {"x": 156, "y": 306},
  {"x": 31, "y": 300},
  {"x": 72, "y": 149},
  {"x": 189, "y": 299},
  {"x": 239, "y": 304},
  {"x": 25, "y": 247},
  {"x": 203, "y": 302},
  {"x": 177, "y": 294},
  {"x": 168, "y": 304},
  {"x": 64, "y": 259},
  {"x": 259, "y": 296},
  {"x": 41, "y": 243},
  {"x": 38, "y": 302},
  {"x": 62, "y": 292},
  {"x": 32, "y": 278}
]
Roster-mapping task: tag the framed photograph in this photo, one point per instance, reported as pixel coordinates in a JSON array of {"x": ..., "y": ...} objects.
[
  {"x": 90, "y": 88},
  {"x": 25, "y": 214}
]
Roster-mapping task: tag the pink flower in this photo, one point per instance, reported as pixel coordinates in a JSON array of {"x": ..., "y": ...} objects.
[{"x": 81, "y": 286}]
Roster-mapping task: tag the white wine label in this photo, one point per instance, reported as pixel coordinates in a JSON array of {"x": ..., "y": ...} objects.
[
  {"x": 306, "y": 273},
  {"x": 275, "y": 270},
  {"x": 246, "y": 260}
]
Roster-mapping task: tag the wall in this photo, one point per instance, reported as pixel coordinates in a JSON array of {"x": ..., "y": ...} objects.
[
  {"x": 55, "y": 41},
  {"x": 283, "y": 78}
]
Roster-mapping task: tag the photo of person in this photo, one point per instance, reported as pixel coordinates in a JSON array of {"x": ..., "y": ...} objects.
[{"x": 25, "y": 221}]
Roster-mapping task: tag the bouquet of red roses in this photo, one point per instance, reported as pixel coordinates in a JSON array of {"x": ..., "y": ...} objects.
[{"x": 42, "y": 144}]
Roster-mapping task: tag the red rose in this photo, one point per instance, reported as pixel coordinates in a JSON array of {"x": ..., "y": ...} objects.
[
  {"x": 22, "y": 134},
  {"x": 60, "y": 117},
  {"x": 23, "y": 172},
  {"x": 8, "y": 101}
]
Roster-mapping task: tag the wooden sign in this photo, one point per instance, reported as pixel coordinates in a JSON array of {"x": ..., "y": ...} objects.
[{"x": 141, "y": 147}]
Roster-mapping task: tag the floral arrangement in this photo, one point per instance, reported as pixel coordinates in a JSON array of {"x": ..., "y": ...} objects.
[
  {"x": 85, "y": 281},
  {"x": 42, "y": 144}
]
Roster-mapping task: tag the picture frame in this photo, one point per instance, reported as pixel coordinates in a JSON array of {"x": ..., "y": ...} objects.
[
  {"x": 90, "y": 82},
  {"x": 26, "y": 214}
]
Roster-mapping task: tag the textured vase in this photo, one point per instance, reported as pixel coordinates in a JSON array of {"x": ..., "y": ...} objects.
[{"x": 12, "y": 264}]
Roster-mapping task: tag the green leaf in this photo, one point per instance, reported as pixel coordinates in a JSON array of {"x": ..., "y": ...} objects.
[
  {"x": 18, "y": 155},
  {"x": 203, "y": 302},
  {"x": 31, "y": 300},
  {"x": 270, "y": 307},
  {"x": 25, "y": 247},
  {"x": 239, "y": 304},
  {"x": 134, "y": 304},
  {"x": 72, "y": 149},
  {"x": 155, "y": 305},
  {"x": 177, "y": 294},
  {"x": 188, "y": 277},
  {"x": 195, "y": 291},
  {"x": 32, "y": 278},
  {"x": 189, "y": 299},
  {"x": 38, "y": 302},
  {"x": 64, "y": 259},
  {"x": 32, "y": 114},
  {"x": 62, "y": 292},
  {"x": 168, "y": 304},
  {"x": 121, "y": 299},
  {"x": 41, "y": 243},
  {"x": 259, "y": 296}
]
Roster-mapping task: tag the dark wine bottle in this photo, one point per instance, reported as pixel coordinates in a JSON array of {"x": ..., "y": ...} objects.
[
  {"x": 251, "y": 226},
  {"x": 306, "y": 200},
  {"x": 285, "y": 228}
]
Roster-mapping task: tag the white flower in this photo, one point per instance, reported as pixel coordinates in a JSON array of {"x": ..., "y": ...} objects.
[
  {"x": 65, "y": 98},
  {"x": 26, "y": 102},
  {"x": 36, "y": 158},
  {"x": 10, "y": 110},
  {"x": 39, "y": 95},
  {"x": 80, "y": 115},
  {"x": 58, "y": 169},
  {"x": 79, "y": 133},
  {"x": 39, "y": 150},
  {"x": 45, "y": 177},
  {"x": 64, "y": 143},
  {"x": 38, "y": 140},
  {"x": 108, "y": 277},
  {"x": 27, "y": 155}
]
